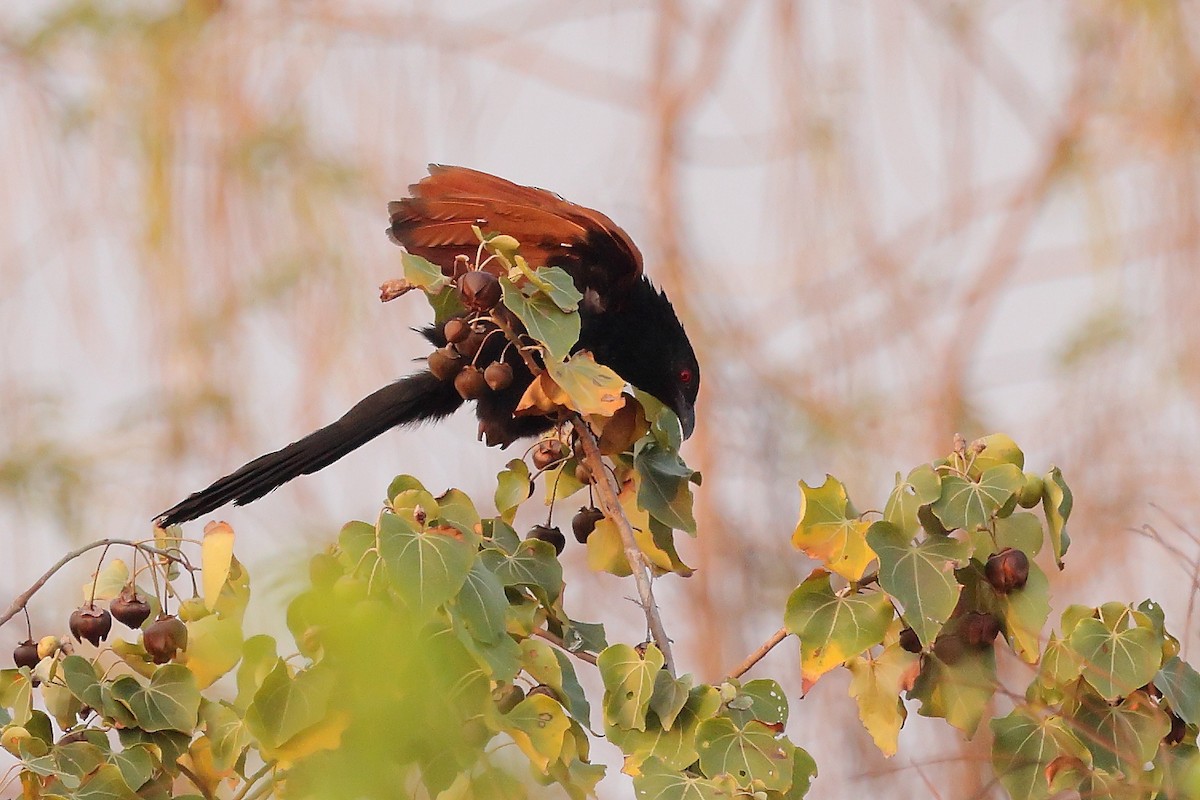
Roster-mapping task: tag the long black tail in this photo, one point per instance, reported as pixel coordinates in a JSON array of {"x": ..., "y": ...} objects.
[{"x": 416, "y": 398}]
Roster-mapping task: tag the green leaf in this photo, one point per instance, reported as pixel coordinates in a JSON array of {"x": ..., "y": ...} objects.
[
  {"x": 214, "y": 646},
  {"x": 80, "y": 675},
  {"x": 423, "y": 273},
  {"x": 804, "y": 769},
  {"x": 16, "y": 694},
  {"x": 538, "y": 725},
  {"x": 1180, "y": 685},
  {"x": 1057, "y": 503},
  {"x": 425, "y": 568},
  {"x": 752, "y": 753},
  {"x": 957, "y": 692},
  {"x": 669, "y": 697},
  {"x": 285, "y": 704},
  {"x": 558, "y": 330},
  {"x": 557, "y": 284},
  {"x": 966, "y": 504},
  {"x": 592, "y": 388},
  {"x": 512, "y": 489},
  {"x": 170, "y": 701},
  {"x": 135, "y": 763},
  {"x": 875, "y": 685},
  {"x": 549, "y": 666},
  {"x": 1117, "y": 657},
  {"x": 999, "y": 448},
  {"x": 833, "y": 629},
  {"x": 1023, "y": 613},
  {"x": 1024, "y": 745},
  {"x": 259, "y": 658},
  {"x": 762, "y": 700},
  {"x": 830, "y": 531},
  {"x": 922, "y": 486},
  {"x": 628, "y": 683},
  {"x": 172, "y": 744},
  {"x": 1121, "y": 737},
  {"x": 1060, "y": 666},
  {"x": 665, "y": 488},
  {"x": 659, "y": 781},
  {"x": 675, "y": 747},
  {"x": 226, "y": 731},
  {"x": 482, "y": 604},
  {"x": 920, "y": 576},
  {"x": 533, "y": 564},
  {"x": 457, "y": 510},
  {"x": 106, "y": 783}
]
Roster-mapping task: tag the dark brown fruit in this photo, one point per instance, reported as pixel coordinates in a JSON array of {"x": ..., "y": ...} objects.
[
  {"x": 949, "y": 648},
  {"x": 979, "y": 629},
  {"x": 470, "y": 383},
  {"x": 469, "y": 346},
  {"x": 507, "y": 697},
  {"x": 1007, "y": 570},
  {"x": 910, "y": 641},
  {"x": 479, "y": 290},
  {"x": 456, "y": 330},
  {"x": 549, "y": 535},
  {"x": 26, "y": 654},
  {"x": 444, "y": 363},
  {"x": 163, "y": 638},
  {"x": 498, "y": 375},
  {"x": 129, "y": 608},
  {"x": 584, "y": 522},
  {"x": 91, "y": 623},
  {"x": 547, "y": 453}
]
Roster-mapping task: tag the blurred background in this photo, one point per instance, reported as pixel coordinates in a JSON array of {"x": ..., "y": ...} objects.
[{"x": 883, "y": 223}]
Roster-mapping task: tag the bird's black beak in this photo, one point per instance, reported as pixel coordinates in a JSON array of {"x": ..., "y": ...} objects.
[{"x": 687, "y": 418}]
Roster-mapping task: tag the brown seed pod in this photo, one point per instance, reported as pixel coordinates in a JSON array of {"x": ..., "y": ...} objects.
[
  {"x": 479, "y": 290},
  {"x": 26, "y": 654},
  {"x": 584, "y": 522},
  {"x": 507, "y": 697},
  {"x": 445, "y": 362},
  {"x": 498, "y": 375},
  {"x": 470, "y": 383},
  {"x": 547, "y": 453},
  {"x": 129, "y": 608},
  {"x": 91, "y": 623},
  {"x": 550, "y": 535},
  {"x": 164, "y": 637},
  {"x": 455, "y": 330},
  {"x": 980, "y": 629},
  {"x": 910, "y": 641},
  {"x": 1007, "y": 570}
]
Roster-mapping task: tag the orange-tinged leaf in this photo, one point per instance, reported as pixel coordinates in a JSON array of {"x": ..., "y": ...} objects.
[
  {"x": 591, "y": 388},
  {"x": 543, "y": 396},
  {"x": 216, "y": 554},
  {"x": 830, "y": 531}
]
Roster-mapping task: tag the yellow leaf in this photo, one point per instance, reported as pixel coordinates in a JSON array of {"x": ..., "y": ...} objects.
[
  {"x": 830, "y": 531},
  {"x": 214, "y": 648},
  {"x": 216, "y": 554},
  {"x": 111, "y": 580},
  {"x": 543, "y": 396},
  {"x": 591, "y": 388},
  {"x": 325, "y": 735}
]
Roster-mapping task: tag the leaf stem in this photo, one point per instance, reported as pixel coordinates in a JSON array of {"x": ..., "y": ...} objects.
[
  {"x": 558, "y": 642},
  {"x": 752, "y": 659},
  {"x": 608, "y": 493},
  {"x": 253, "y": 779}
]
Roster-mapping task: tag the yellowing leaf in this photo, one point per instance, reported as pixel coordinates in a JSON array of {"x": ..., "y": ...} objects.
[
  {"x": 592, "y": 388},
  {"x": 833, "y": 629},
  {"x": 214, "y": 647},
  {"x": 830, "y": 531},
  {"x": 216, "y": 554},
  {"x": 108, "y": 583},
  {"x": 876, "y": 686},
  {"x": 325, "y": 735},
  {"x": 543, "y": 396}
]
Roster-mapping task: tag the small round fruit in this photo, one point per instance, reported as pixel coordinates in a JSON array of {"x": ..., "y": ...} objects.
[
  {"x": 547, "y": 453},
  {"x": 980, "y": 629},
  {"x": 164, "y": 637},
  {"x": 444, "y": 363},
  {"x": 479, "y": 290},
  {"x": 498, "y": 375},
  {"x": 193, "y": 609},
  {"x": 455, "y": 330},
  {"x": 507, "y": 697},
  {"x": 47, "y": 646},
  {"x": 26, "y": 654},
  {"x": 949, "y": 648},
  {"x": 910, "y": 641},
  {"x": 91, "y": 623},
  {"x": 1031, "y": 491},
  {"x": 470, "y": 383},
  {"x": 130, "y": 608},
  {"x": 550, "y": 535},
  {"x": 584, "y": 522},
  {"x": 1007, "y": 570}
]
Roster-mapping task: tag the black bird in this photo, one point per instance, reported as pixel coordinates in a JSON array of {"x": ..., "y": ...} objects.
[{"x": 627, "y": 324}]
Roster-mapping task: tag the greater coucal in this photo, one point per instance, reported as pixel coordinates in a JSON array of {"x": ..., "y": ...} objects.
[{"x": 626, "y": 323}]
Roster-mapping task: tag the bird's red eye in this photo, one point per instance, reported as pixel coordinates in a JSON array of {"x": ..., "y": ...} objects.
[{"x": 685, "y": 375}]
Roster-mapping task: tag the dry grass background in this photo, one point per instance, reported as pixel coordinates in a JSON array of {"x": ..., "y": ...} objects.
[{"x": 883, "y": 223}]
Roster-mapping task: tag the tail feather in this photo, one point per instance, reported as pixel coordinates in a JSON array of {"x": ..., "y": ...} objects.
[{"x": 413, "y": 399}]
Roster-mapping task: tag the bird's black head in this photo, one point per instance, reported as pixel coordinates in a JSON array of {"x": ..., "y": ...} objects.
[{"x": 645, "y": 343}]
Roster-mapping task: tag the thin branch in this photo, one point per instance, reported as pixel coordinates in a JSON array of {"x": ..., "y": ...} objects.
[
  {"x": 253, "y": 779},
  {"x": 752, "y": 659},
  {"x": 195, "y": 779},
  {"x": 608, "y": 493},
  {"x": 558, "y": 642},
  {"x": 24, "y": 597}
]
